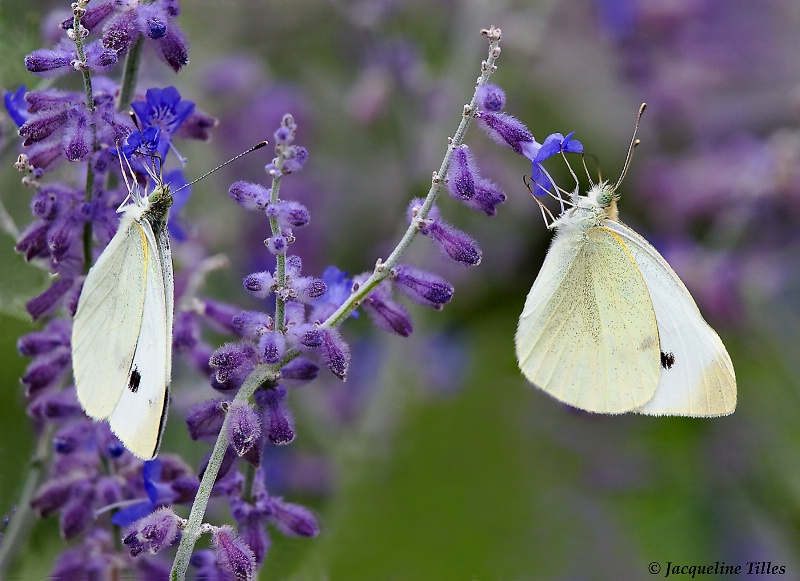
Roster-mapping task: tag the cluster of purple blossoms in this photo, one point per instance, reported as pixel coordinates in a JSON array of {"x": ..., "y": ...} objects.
[{"x": 93, "y": 483}]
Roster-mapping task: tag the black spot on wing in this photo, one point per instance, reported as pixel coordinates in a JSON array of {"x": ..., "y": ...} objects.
[
  {"x": 134, "y": 380},
  {"x": 667, "y": 360}
]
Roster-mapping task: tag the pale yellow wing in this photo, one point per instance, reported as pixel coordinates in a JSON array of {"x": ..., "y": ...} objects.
[
  {"x": 140, "y": 414},
  {"x": 108, "y": 320},
  {"x": 588, "y": 334},
  {"x": 697, "y": 377}
]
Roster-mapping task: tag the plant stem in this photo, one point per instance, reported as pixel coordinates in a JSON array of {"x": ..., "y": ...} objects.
[{"x": 191, "y": 532}]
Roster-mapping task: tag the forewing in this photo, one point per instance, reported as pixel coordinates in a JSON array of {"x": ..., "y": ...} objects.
[
  {"x": 140, "y": 415},
  {"x": 697, "y": 377},
  {"x": 108, "y": 320},
  {"x": 588, "y": 334}
]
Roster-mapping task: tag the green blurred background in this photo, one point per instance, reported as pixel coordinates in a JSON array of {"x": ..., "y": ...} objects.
[{"x": 457, "y": 468}]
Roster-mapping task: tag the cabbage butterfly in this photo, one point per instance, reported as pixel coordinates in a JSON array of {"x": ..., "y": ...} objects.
[
  {"x": 608, "y": 326},
  {"x": 122, "y": 332}
]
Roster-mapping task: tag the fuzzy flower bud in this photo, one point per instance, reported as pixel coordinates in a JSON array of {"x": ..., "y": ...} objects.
[
  {"x": 250, "y": 196},
  {"x": 231, "y": 363},
  {"x": 289, "y": 214},
  {"x": 461, "y": 181},
  {"x": 296, "y": 158},
  {"x": 487, "y": 196},
  {"x": 453, "y": 242},
  {"x": 491, "y": 98},
  {"x": 252, "y": 324},
  {"x": 272, "y": 346},
  {"x": 292, "y": 519},
  {"x": 505, "y": 130},
  {"x": 335, "y": 352},
  {"x": 174, "y": 48},
  {"x": 423, "y": 287},
  {"x": 278, "y": 420},
  {"x": 259, "y": 284},
  {"x": 233, "y": 555},
  {"x": 205, "y": 419},
  {"x": 299, "y": 370},
  {"x": 244, "y": 427},
  {"x": 386, "y": 313},
  {"x": 154, "y": 532},
  {"x": 277, "y": 244}
]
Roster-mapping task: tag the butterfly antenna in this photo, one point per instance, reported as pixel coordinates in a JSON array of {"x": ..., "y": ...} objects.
[
  {"x": 634, "y": 142},
  {"x": 220, "y": 166}
]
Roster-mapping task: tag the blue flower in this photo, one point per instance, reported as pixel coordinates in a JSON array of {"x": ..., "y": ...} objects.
[
  {"x": 151, "y": 473},
  {"x": 163, "y": 108},
  {"x": 338, "y": 286},
  {"x": 16, "y": 105},
  {"x": 553, "y": 145}
]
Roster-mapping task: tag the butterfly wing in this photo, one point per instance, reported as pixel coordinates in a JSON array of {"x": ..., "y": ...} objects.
[
  {"x": 108, "y": 320},
  {"x": 588, "y": 333},
  {"x": 141, "y": 412},
  {"x": 697, "y": 377}
]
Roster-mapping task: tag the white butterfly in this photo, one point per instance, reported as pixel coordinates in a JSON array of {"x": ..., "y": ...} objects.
[
  {"x": 122, "y": 332},
  {"x": 608, "y": 326}
]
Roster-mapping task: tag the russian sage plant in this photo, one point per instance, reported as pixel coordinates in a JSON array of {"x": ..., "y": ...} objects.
[{"x": 101, "y": 493}]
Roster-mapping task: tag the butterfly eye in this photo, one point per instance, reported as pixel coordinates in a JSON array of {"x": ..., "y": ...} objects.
[{"x": 605, "y": 196}]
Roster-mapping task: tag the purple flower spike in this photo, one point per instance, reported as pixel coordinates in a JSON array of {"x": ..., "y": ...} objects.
[
  {"x": 423, "y": 287},
  {"x": 505, "y": 130},
  {"x": 455, "y": 243},
  {"x": 491, "y": 98},
  {"x": 233, "y": 555},
  {"x": 292, "y": 519},
  {"x": 250, "y": 196},
  {"x": 154, "y": 532},
  {"x": 335, "y": 352},
  {"x": 244, "y": 427},
  {"x": 278, "y": 420}
]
